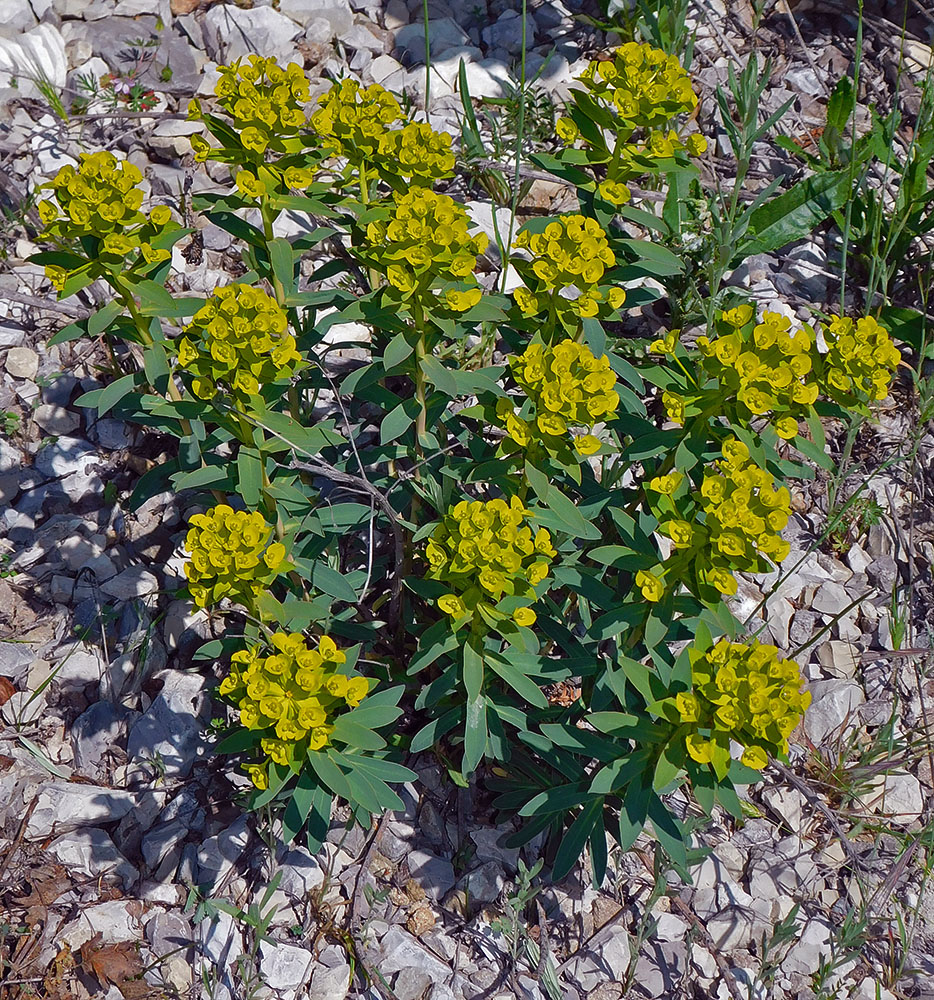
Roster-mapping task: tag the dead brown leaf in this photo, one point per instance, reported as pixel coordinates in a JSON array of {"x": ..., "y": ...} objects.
[
  {"x": 6, "y": 690},
  {"x": 46, "y": 885},
  {"x": 112, "y": 964}
]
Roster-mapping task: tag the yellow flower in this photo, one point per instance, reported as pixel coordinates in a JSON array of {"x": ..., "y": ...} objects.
[
  {"x": 524, "y": 616},
  {"x": 257, "y": 775},
  {"x": 755, "y": 757},
  {"x": 652, "y": 587},
  {"x": 566, "y": 129},
  {"x": 700, "y": 749}
]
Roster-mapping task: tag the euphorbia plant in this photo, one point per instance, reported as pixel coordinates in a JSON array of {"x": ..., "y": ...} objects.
[{"x": 457, "y": 538}]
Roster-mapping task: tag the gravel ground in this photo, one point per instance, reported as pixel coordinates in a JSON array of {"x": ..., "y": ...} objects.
[{"x": 119, "y": 831}]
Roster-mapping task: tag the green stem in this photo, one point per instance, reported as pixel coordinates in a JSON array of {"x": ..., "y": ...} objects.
[
  {"x": 421, "y": 419},
  {"x": 266, "y": 212}
]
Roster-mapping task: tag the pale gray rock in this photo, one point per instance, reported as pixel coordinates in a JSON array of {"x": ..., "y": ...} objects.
[
  {"x": 443, "y": 34},
  {"x": 167, "y": 932},
  {"x": 839, "y": 659},
  {"x": 71, "y": 462},
  {"x": 812, "y": 944},
  {"x": 63, "y": 806},
  {"x": 22, "y": 362},
  {"x": 787, "y": 804},
  {"x": 116, "y": 920},
  {"x": 221, "y": 944},
  {"x": 661, "y": 967},
  {"x": 95, "y": 732},
  {"x": 92, "y": 852},
  {"x": 435, "y": 875},
  {"x": 898, "y": 796},
  {"x": 110, "y": 433},
  {"x": 15, "y": 660},
  {"x": 336, "y": 12},
  {"x": 234, "y": 33},
  {"x": 135, "y": 581},
  {"x": 400, "y": 950},
  {"x": 23, "y": 708},
  {"x": 830, "y": 599},
  {"x": 60, "y": 390},
  {"x": 301, "y": 873},
  {"x": 172, "y": 726},
  {"x": 484, "y": 77},
  {"x": 489, "y": 844},
  {"x": 834, "y": 707},
  {"x": 161, "y": 848},
  {"x": 284, "y": 967},
  {"x": 330, "y": 983},
  {"x": 16, "y": 16},
  {"x": 483, "y": 884},
  {"x": 506, "y": 32},
  {"x": 883, "y": 572},
  {"x": 219, "y": 853}
]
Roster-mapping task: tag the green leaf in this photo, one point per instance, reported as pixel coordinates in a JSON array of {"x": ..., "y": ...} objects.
[
  {"x": 356, "y": 736},
  {"x": 661, "y": 259},
  {"x": 574, "y": 841},
  {"x": 397, "y": 350},
  {"x": 385, "y": 770},
  {"x": 558, "y": 799},
  {"x": 454, "y": 382},
  {"x": 103, "y": 400},
  {"x": 333, "y": 583},
  {"x": 796, "y": 213},
  {"x": 236, "y": 742},
  {"x": 429, "y": 735},
  {"x": 281, "y": 260},
  {"x": 518, "y": 681},
  {"x": 669, "y": 831},
  {"x": 250, "y": 476},
  {"x": 73, "y": 331},
  {"x": 99, "y": 321},
  {"x": 474, "y": 734},
  {"x": 209, "y": 475},
  {"x": 330, "y": 774},
  {"x": 473, "y": 672},
  {"x": 813, "y": 451},
  {"x": 569, "y": 518},
  {"x": 398, "y": 421},
  {"x": 296, "y": 812}
]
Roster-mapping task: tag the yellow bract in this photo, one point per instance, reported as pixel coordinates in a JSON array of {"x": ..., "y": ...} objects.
[
  {"x": 239, "y": 341},
  {"x": 230, "y": 556},
  {"x": 351, "y": 120},
  {"x": 486, "y": 550},
  {"x": 417, "y": 152},
  {"x": 426, "y": 239},
  {"x": 265, "y": 102},
  {"x": 291, "y": 695},
  {"x": 859, "y": 362},
  {"x": 571, "y": 254},
  {"x": 768, "y": 368},
  {"x": 742, "y": 692},
  {"x": 569, "y": 388}
]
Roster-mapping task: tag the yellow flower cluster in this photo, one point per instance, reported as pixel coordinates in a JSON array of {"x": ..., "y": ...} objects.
[
  {"x": 294, "y": 693},
  {"x": 238, "y": 339},
  {"x": 568, "y": 387},
  {"x": 643, "y": 85},
  {"x": 98, "y": 198},
  {"x": 101, "y": 199},
  {"x": 351, "y": 120},
  {"x": 859, "y": 362},
  {"x": 426, "y": 238},
  {"x": 745, "y": 516},
  {"x": 417, "y": 152},
  {"x": 265, "y": 102},
  {"x": 741, "y": 692},
  {"x": 270, "y": 179},
  {"x": 230, "y": 556},
  {"x": 765, "y": 365},
  {"x": 486, "y": 550},
  {"x": 572, "y": 252}
]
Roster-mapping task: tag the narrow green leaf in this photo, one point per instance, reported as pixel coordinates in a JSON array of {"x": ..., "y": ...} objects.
[
  {"x": 574, "y": 841},
  {"x": 397, "y": 350},
  {"x": 99, "y": 321},
  {"x": 281, "y": 261},
  {"x": 474, "y": 734},
  {"x": 333, "y": 583},
  {"x": 330, "y": 774},
  {"x": 250, "y": 476}
]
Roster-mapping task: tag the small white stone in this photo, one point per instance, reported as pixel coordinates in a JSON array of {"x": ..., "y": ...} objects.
[{"x": 22, "y": 362}]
